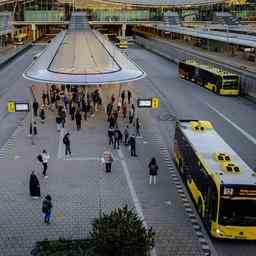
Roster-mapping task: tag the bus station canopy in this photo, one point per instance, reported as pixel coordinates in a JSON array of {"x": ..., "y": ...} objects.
[{"x": 81, "y": 56}]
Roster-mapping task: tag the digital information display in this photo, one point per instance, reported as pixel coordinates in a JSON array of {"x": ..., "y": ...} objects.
[
  {"x": 22, "y": 107},
  {"x": 144, "y": 103}
]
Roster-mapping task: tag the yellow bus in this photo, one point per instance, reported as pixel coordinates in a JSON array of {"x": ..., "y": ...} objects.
[
  {"x": 221, "y": 184},
  {"x": 215, "y": 79},
  {"x": 122, "y": 43},
  {"x": 20, "y": 37}
]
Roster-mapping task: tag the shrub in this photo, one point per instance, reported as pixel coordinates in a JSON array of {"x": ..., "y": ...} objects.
[{"x": 121, "y": 233}]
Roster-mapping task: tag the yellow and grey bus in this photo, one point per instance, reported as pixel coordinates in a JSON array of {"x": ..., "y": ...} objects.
[
  {"x": 221, "y": 184},
  {"x": 215, "y": 79}
]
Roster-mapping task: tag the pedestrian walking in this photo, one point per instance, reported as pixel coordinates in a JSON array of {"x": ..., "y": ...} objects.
[
  {"x": 129, "y": 94},
  {"x": 109, "y": 110},
  {"x": 72, "y": 112},
  {"x": 111, "y": 135},
  {"x": 66, "y": 101},
  {"x": 112, "y": 121},
  {"x": 35, "y": 107},
  {"x": 116, "y": 138},
  {"x": 34, "y": 186},
  {"x": 123, "y": 96},
  {"x": 45, "y": 158},
  {"x": 132, "y": 143},
  {"x": 33, "y": 128},
  {"x": 84, "y": 109},
  {"x": 137, "y": 126},
  {"x": 47, "y": 208},
  {"x": 44, "y": 96},
  {"x": 42, "y": 114},
  {"x": 66, "y": 142},
  {"x": 62, "y": 114},
  {"x": 119, "y": 105},
  {"x": 131, "y": 115},
  {"x": 108, "y": 159},
  {"x": 126, "y": 135},
  {"x": 78, "y": 118},
  {"x": 153, "y": 170}
]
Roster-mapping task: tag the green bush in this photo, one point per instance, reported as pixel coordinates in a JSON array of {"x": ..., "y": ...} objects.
[{"x": 121, "y": 233}]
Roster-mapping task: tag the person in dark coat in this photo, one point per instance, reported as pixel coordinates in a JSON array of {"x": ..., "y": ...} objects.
[
  {"x": 47, "y": 208},
  {"x": 132, "y": 143},
  {"x": 34, "y": 186},
  {"x": 66, "y": 141},
  {"x": 123, "y": 96},
  {"x": 129, "y": 94},
  {"x": 35, "y": 107},
  {"x": 116, "y": 138},
  {"x": 111, "y": 135},
  {"x": 84, "y": 109},
  {"x": 42, "y": 115},
  {"x": 126, "y": 135},
  {"x": 153, "y": 169},
  {"x": 72, "y": 112},
  {"x": 78, "y": 118}
]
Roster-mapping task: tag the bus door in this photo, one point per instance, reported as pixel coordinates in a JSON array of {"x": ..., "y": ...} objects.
[{"x": 211, "y": 204}]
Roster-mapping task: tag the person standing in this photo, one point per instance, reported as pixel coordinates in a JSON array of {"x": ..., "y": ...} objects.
[
  {"x": 153, "y": 169},
  {"x": 109, "y": 110},
  {"x": 58, "y": 123},
  {"x": 123, "y": 96},
  {"x": 42, "y": 114},
  {"x": 111, "y": 135},
  {"x": 126, "y": 135},
  {"x": 84, "y": 109},
  {"x": 35, "y": 107},
  {"x": 129, "y": 94},
  {"x": 72, "y": 112},
  {"x": 45, "y": 158},
  {"x": 34, "y": 186},
  {"x": 62, "y": 114},
  {"x": 108, "y": 159},
  {"x": 47, "y": 208},
  {"x": 132, "y": 142},
  {"x": 137, "y": 126},
  {"x": 44, "y": 96},
  {"x": 34, "y": 129},
  {"x": 66, "y": 142},
  {"x": 113, "y": 99},
  {"x": 116, "y": 138},
  {"x": 78, "y": 118}
]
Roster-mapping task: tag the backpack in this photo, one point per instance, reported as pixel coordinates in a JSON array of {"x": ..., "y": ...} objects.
[
  {"x": 40, "y": 158},
  {"x": 44, "y": 206}
]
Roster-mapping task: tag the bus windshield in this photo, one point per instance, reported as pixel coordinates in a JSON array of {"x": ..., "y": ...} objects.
[
  {"x": 238, "y": 212},
  {"x": 230, "y": 82}
]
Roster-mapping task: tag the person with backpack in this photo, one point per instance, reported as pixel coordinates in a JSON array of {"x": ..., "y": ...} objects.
[
  {"x": 78, "y": 118},
  {"x": 153, "y": 170},
  {"x": 108, "y": 159},
  {"x": 47, "y": 208},
  {"x": 42, "y": 114},
  {"x": 66, "y": 142}
]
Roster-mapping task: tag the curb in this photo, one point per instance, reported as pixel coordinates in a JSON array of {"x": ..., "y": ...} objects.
[{"x": 7, "y": 60}]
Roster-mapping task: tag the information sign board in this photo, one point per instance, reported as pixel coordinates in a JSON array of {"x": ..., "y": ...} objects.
[
  {"x": 144, "y": 103},
  {"x": 22, "y": 107}
]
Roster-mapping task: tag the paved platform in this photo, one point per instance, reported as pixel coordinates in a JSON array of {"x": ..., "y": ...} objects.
[{"x": 79, "y": 187}]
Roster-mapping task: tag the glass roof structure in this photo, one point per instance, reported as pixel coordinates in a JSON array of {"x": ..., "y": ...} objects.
[{"x": 81, "y": 56}]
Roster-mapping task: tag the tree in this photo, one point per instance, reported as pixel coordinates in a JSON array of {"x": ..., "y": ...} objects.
[{"x": 121, "y": 233}]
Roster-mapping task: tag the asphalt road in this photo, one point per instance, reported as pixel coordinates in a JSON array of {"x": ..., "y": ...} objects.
[
  {"x": 14, "y": 87},
  {"x": 233, "y": 117}
]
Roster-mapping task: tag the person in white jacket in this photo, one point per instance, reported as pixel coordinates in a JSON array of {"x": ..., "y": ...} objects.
[{"x": 45, "y": 158}]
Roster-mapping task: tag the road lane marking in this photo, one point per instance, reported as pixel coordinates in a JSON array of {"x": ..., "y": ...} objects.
[
  {"x": 246, "y": 134},
  {"x": 134, "y": 194}
]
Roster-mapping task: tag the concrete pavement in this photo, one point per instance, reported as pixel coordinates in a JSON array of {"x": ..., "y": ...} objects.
[{"x": 79, "y": 187}]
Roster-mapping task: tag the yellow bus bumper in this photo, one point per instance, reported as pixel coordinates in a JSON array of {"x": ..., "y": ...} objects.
[
  {"x": 233, "y": 232},
  {"x": 229, "y": 92}
]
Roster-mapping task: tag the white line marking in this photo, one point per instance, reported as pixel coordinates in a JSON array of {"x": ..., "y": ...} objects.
[
  {"x": 247, "y": 135},
  {"x": 60, "y": 147},
  {"x": 134, "y": 194}
]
